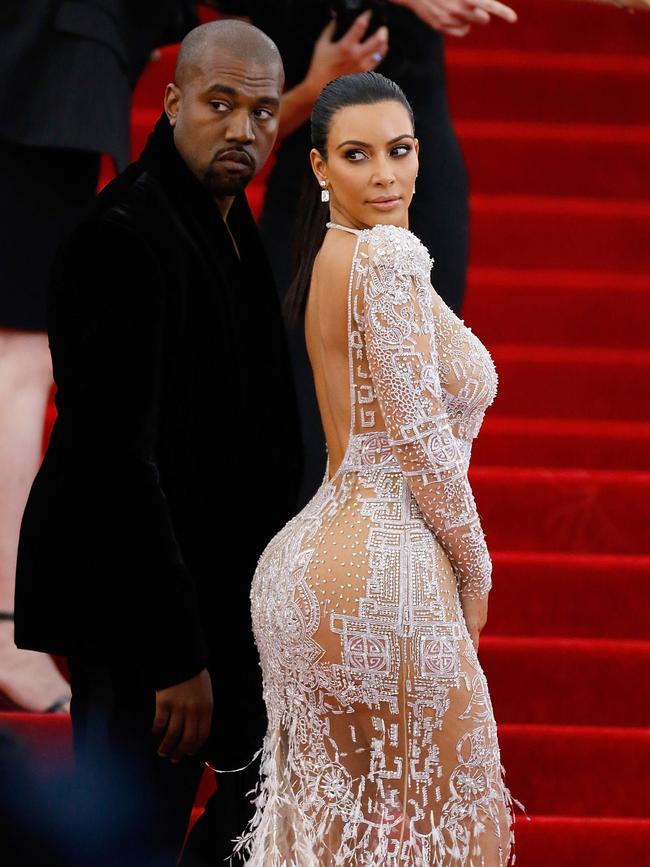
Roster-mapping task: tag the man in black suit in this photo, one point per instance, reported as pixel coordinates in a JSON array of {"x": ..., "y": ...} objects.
[{"x": 174, "y": 459}]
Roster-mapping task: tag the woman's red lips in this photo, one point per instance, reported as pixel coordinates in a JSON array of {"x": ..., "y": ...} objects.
[{"x": 384, "y": 203}]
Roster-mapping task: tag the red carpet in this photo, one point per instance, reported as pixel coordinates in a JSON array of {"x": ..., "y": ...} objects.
[{"x": 554, "y": 120}]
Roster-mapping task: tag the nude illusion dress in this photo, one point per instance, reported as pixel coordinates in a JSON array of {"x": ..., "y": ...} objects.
[{"x": 382, "y": 748}]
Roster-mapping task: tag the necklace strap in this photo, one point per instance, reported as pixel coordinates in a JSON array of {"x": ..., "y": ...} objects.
[{"x": 344, "y": 228}]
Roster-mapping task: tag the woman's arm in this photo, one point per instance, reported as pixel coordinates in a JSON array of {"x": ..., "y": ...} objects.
[
  {"x": 401, "y": 346},
  {"x": 329, "y": 60}
]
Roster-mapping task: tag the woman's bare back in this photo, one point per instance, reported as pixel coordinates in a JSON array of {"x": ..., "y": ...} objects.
[{"x": 326, "y": 328}]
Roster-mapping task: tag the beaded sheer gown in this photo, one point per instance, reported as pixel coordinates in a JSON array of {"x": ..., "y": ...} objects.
[{"x": 382, "y": 747}]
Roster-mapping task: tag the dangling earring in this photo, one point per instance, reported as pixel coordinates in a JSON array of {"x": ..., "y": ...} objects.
[
  {"x": 324, "y": 193},
  {"x": 414, "y": 188}
]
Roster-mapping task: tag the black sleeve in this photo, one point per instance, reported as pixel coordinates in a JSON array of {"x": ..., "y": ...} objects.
[{"x": 107, "y": 319}]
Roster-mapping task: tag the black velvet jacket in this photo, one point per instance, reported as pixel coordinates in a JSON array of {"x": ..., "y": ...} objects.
[{"x": 176, "y": 452}]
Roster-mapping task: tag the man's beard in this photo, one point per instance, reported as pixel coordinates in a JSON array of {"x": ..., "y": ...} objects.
[{"x": 223, "y": 183}]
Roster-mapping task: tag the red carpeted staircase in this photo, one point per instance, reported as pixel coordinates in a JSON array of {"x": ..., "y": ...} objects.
[{"x": 554, "y": 119}]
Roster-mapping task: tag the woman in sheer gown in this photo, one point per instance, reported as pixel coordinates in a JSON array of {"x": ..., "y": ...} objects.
[{"x": 381, "y": 746}]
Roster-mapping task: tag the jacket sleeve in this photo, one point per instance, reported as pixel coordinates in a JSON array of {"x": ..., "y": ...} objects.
[
  {"x": 106, "y": 323},
  {"x": 400, "y": 341}
]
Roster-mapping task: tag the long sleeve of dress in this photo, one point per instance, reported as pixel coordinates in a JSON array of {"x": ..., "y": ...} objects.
[
  {"x": 402, "y": 355},
  {"x": 107, "y": 326}
]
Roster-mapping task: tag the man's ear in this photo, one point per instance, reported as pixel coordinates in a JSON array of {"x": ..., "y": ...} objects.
[{"x": 172, "y": 103}]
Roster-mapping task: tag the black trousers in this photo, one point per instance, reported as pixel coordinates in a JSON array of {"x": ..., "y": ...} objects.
[
  {"x": 45, "y": 192},
  {"x": 135, "y": 806}
]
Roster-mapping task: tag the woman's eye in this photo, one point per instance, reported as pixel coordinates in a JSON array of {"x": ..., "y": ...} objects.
[
  {"x": 403, "y": 148},
  {"x": 355, "y": 156}
]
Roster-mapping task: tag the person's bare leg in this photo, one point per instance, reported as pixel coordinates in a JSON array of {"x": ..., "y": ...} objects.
[{"x": 29, "y": 679}]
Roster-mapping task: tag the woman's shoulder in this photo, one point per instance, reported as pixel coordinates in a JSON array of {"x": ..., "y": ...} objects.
[{"x": 397, "y": 246}]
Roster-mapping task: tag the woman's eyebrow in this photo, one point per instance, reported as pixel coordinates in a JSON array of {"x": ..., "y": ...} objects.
[{"x": 365, "y": 144}]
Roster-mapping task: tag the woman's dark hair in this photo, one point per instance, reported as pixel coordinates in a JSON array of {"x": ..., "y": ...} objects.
[{"x": 358, "y": 88}]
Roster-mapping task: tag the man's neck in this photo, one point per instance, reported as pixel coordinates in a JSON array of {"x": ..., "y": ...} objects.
[{"x": 224, "y": 203}]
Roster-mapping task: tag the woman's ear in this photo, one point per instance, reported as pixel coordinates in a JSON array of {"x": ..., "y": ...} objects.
[{"x": 318, "y": 164}]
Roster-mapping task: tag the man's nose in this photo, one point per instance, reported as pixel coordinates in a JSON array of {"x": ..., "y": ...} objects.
[{"x": 240, "y": 127}]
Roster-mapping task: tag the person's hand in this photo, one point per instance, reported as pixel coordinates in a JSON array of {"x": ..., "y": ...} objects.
[
  {"x": 631, "y": 5},
  {"x": 475, "y": 612},
  {"x": 184, "y": 716},
  {"x": 348, "y": 54},
  {"x": 455, "y": 17}
]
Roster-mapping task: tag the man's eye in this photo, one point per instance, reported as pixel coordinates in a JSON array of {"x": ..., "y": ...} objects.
[
  {"x": 219, "y": 106},
  {"x": 404, "y": 148},
  {"x": 355, "y": 156},
  {"x": 263, "y": 113}
]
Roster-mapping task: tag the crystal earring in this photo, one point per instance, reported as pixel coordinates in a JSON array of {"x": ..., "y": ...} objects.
[{"x": 324, "y": 193}]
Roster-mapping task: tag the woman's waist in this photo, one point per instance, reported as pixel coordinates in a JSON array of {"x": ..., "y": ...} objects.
[
  {"x": 370, "y": 450},
  {"x": 373, "y": 450}
]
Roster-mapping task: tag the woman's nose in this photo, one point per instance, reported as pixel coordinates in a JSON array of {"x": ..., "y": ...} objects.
[{"x": 383, "y": 173}]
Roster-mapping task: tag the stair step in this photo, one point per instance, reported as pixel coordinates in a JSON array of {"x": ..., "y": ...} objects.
[
  {"x": 556, "y": 159},
  {"x": 576, "y": 841},
  {"x": 571, "y": 382},
  {"x": 545, "y": 159},
  {"x": 558, "y": 25},
  {"x": 592, "y": 765},
  {"x": 554, "y": 594},
  {"x": 561, "y": 442},
  {"x": 575, "y": 234},
  {"x": 548, "y": 86},
  {"x": 553, "y": 306},
  {"x": 573, "y": 86},
  {"x": 576, "y": 771},
  {"x": 576, "y": 511},
  {"x": 47, "y": 737},
  {"x": 567, "y": 681},
  {"x": 143, "y": 121}
]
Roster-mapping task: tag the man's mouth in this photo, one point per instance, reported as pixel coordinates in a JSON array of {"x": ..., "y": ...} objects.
[{"x": 236, "y": 160}]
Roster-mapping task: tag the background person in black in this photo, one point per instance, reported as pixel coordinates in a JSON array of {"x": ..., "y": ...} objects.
[
  {"x": 67, "y": 69},
  {"x": 414, "y": 58},
  {"x": 174, "y": 458}
]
